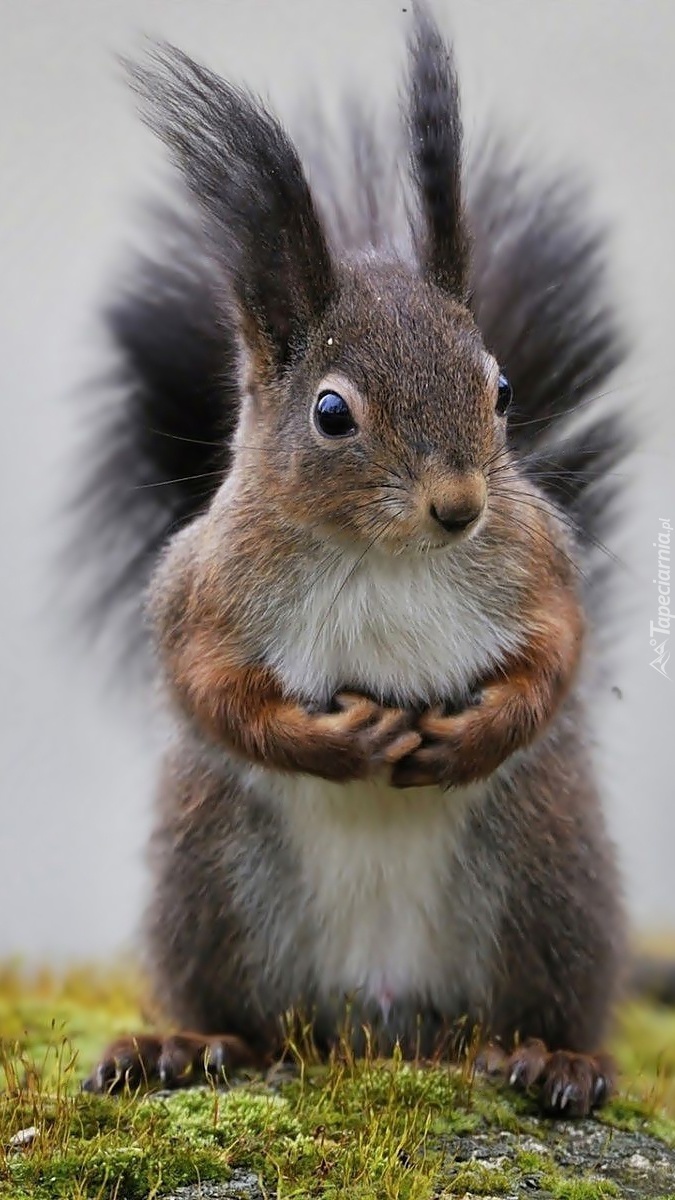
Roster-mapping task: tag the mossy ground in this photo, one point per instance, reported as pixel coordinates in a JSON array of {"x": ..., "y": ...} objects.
[{"x": 357, "y": 1129}]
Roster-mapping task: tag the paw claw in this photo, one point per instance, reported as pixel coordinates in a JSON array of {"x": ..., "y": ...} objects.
[
  {"x": 173, "y": 1062},
  {"x": 344, "y": 701},
  {"x": 215, "y": 1063},
  {"x": 568, "y": 1083},
  {"x": 516, "y": 1076}
]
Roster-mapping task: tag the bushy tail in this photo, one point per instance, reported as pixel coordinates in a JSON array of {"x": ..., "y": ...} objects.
[
  {"x": 164, "y": 417},
  {"x": 536, "y": 282},
  {"x": 540, "y": 297}
]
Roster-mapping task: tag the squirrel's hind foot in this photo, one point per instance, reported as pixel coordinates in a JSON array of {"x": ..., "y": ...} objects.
[
  {"x": 171, "y": 1061},
  {"x": 566, "y": 1084}
]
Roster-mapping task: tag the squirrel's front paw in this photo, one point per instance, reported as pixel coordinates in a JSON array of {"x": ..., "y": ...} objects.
[
  {"x": 351, "y": 741},
  {"x": 362, "y": 735},
  {"x": 441, "y": 758}
]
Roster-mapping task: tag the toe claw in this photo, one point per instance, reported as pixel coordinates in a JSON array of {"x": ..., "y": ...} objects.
[
  {"x": 567, "y": 1083},
  {"x": 215, "y": 1063},
  {"x": 106, "y": 1078},
  {"x": 518, "y": 1076}
]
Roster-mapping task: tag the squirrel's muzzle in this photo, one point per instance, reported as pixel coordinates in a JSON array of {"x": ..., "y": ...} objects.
[{"x": 459, "y": 503}]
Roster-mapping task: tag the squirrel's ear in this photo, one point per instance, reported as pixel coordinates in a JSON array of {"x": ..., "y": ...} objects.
[
  {"x": 435, "y": 127},
  {"x": 245, "y": 173}
]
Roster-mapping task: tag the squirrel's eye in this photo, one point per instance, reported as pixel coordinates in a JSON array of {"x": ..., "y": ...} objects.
[
  {"x": 504, "y": 394},
  {"x": 332, "y": 416}
]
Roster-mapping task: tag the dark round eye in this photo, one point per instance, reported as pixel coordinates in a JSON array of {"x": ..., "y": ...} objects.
[
  {"x": 504, "y": 394},
  {"x": 332, "y": 416}
]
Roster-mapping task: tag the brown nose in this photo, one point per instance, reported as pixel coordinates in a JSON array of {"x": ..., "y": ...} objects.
[
  {"x": 460, "y": 506},
  {"x": 454, "y": 520}
]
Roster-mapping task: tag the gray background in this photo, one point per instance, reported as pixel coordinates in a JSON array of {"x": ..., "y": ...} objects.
[{"x": 590, "y": 81}]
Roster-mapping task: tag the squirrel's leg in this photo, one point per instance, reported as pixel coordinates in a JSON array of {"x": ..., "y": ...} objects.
[
  {"x": 562, "y": 933},
  {"x": 199, "y": 937},
  {"x": 511, "y": 707},
  {"x": 171, "y": 1060}
]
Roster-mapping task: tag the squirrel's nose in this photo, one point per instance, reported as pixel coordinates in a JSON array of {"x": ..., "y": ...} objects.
[
  {"x": 460, "y": 506},
  {"x": 455, "y": 519}
]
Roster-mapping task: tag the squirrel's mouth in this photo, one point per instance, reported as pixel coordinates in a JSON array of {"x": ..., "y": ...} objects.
[
  {"x": 421, "y": 547},
  {"x": 450, "y": 539}
]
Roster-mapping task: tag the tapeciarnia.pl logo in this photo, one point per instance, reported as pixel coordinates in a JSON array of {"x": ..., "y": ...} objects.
[{"x": 659, "y": 630}]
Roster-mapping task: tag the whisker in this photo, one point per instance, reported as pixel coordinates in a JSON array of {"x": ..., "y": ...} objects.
[
  {"x": 548, "y": 506},
  {"x": 502, "y": 450},
  {"x": 378, "y": 487},
  {"x": 347, "y": 578},
  {"x": 566, "y": 412},
  {"x": 565, "y": 472},
  {"x": 180, "y": 479},
  {"x": 177, "y": 437},
  {"x": 535, "y": 530}
]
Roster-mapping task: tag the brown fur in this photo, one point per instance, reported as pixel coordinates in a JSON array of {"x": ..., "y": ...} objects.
[
  {"x": 524, "y": 907},
  {"x": 381, "y": 321},
  {"x": 244, "y": 706}
]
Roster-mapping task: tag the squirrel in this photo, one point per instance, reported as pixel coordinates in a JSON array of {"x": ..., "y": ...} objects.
[{"x": 350, "y": 458}]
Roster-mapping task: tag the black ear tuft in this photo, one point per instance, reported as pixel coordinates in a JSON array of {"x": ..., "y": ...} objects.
[
  {"x": 246, "y": 174},
  {"x": 436, "y": 155}
]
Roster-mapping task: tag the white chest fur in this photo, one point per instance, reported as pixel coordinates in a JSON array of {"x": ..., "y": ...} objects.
[
  {"x": 399, "y": 626},
  {"x": 376, "y": 885},
  {"x": 378, "y": 867}
]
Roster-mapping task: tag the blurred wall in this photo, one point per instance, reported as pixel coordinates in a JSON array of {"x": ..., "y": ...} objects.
[{"x": 590, "y": 81}]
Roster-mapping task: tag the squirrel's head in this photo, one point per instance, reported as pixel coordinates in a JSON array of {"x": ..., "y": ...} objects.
[
  {"x": 371, "y": 408},
  {"x": 386, "y": 425}
]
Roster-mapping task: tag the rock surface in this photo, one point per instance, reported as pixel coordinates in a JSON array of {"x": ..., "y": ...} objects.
[
  {"x": 242, "y": 1186},
  {"x": 637, "y": 1164},
  {"x": 631, "y": 1165}
]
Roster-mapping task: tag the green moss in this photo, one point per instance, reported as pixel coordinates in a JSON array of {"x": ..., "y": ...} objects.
[
  {"x": 478, "y": 1179},
  {"x": 645, "y": 1052},
  {"x": 629, "y": 1112},
  {"x": 102, "y": 1169},
  {"x": 581, "y": 1189},
  {"x": 358, "y": 1129},
  {"x": 97, "y": 1146},
  {"x": 548, "y": 1176}
]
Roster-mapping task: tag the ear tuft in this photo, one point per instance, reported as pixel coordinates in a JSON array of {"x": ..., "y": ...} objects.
[
  {"x": 435, "y": 126},
  {"x": 246, "y": 174}
]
